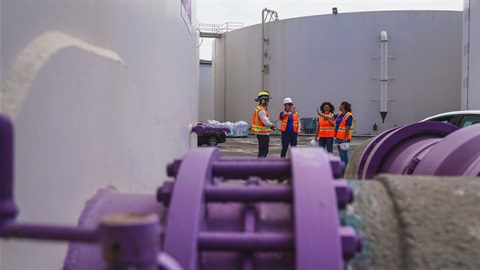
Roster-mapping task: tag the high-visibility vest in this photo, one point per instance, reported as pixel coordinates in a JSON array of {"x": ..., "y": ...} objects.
[
  {"x": 285, "y": 121},
  {"x": 325, "y": 128},
  {"x": 342, "y": 127},
  {"x": 257, "y": 124}
]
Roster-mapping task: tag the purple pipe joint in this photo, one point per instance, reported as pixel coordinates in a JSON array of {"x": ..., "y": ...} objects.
[{"x": 425, "y": 148}]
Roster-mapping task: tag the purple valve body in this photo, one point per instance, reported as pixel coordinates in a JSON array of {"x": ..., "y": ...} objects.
[
  {"x": 214, "y": 220},
  {"x": 243, "y": 218}
]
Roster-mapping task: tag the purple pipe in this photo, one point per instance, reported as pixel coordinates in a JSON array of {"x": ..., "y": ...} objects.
[
  {"x": 243, "y": 168},
  {"x": 458, "y": 154},
  {"x": 398, "y": 151},
  {"x": 8, "y": 209},
  {"x": 279, "y": 193},
  {"x": 49, "y": 232}
]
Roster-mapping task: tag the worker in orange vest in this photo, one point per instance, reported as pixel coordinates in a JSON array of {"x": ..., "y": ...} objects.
[
  {"x": 325, "y": 132},
  {"x": 291, "y": 125},
  {"x": 343, "y": 129},
  {"x": 261, "y": 124}
]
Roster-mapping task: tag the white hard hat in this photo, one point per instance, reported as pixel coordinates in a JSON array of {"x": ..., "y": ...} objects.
[
  {"x": 287, "y": 100},
  {"x": 344, "y": 146},
  {"x": 313, "y": 143}
]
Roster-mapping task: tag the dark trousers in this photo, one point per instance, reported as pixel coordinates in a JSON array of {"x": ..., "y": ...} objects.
[
  {"x": 288, "y": 138},
  {"x": 263, "y": 143},
  {"x": 328, "y": 142}
]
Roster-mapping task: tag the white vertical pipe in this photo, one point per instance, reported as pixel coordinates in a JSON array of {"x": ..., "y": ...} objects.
[
  {"x": 383, "y": 71},
  {"x": 263, "y": 49}
]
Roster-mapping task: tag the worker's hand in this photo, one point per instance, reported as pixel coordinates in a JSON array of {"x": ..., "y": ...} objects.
[
  {"x": 316, "y": 138},
  {"x": 318, "y": 112},
  {"x": 294, "y": 109},
  {"x": 273, "y": 128}
]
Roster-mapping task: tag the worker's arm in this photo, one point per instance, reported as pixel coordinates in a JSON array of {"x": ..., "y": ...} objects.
[
  {"x": 299, "y": 123},
  {"x": 265, "y": 120}
]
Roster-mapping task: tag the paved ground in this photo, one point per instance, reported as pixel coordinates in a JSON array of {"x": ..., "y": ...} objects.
[{"x": 248, "y": 147}]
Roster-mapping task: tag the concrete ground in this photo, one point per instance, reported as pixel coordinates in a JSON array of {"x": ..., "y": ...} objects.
[{"x": 248, "y": 146}]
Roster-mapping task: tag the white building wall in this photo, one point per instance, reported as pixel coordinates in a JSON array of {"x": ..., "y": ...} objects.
[
  {"x": 471, "y": 55},
  {"x": 206, "y": 93},
  {"x": 335, "y": 58},
  {"x": 219, "y": 71},
  {"x": 102, "y": 93}
]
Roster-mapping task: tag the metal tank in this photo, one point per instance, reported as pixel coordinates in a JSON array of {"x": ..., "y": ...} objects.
[{"x": 377, "y": 61}]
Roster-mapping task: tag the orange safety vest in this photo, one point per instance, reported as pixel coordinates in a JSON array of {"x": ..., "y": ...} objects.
[
  {"x": 285, "y": 121},
  {"x": 342, "y": 127},
  {"x": 325, "y": 129},
  {"x": 257, "y": 124}
]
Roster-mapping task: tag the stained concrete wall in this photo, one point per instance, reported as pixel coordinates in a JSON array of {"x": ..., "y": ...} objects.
[
  {"x": 102, "y": 93},
  {"x": 421, "y": 222}
]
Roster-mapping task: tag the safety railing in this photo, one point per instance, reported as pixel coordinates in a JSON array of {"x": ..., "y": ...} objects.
[{"x": 216, "y": 30}]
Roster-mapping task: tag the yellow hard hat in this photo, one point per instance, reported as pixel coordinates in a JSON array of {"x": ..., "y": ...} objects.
[{"x": 262, "y": 95}]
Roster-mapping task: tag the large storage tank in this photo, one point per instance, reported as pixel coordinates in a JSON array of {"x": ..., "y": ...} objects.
[
  {"x": 338, "y": 57},
  {"x": 471, "y": 56},
  {"x": 102, "y": 93}
]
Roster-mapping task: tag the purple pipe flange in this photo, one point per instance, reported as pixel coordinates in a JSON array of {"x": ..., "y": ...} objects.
[
  {"x": 398, "y": 150},
  {"x": 185, "y": 217},
  {"x": 317, "y": 239},
  {"x": 458, "y": 154},
  {"x": 368, "y": 149},
  {"x": 315, "y": 196}
]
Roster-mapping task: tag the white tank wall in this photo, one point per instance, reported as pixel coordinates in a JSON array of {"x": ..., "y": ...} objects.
[
  {"x": 102, "y": 93},
  {"x": 471, "y": 55},
  {"x": 206, "y": 94},
  {"x": 335, "y": 58}
]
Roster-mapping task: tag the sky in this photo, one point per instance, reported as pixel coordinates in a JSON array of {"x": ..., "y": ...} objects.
[{"x": 249, "y": 12}]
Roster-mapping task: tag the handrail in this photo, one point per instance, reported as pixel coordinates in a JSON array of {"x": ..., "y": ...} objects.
[{"x": 219, "y": 28}]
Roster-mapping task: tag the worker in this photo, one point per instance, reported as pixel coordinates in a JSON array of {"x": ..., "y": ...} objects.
[
  {"x": 261, "y": 124},
  {"x": 343, "y": 129},
  {"x": 325, "y": 132},
  {"x": 291, "y": 125}
]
